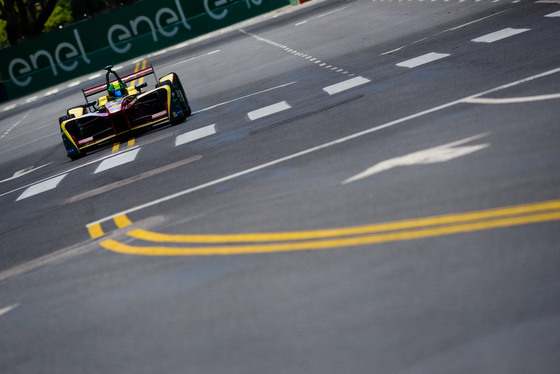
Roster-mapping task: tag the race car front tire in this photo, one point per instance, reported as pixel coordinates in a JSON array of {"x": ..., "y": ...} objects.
[
  {"x": 180, "y": 93},
  {"x": 71, "y": 156},
  {"x": 75, "y": 157},
  {"x": 184, "y": 102}
]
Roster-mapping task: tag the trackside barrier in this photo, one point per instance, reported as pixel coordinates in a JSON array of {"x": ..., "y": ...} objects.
[{"x": 114, "y": 37}]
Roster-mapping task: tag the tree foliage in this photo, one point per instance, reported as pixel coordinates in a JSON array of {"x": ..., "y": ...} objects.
[
  {"x": 25, "y": 18},
  {"x": 3, "y": 36},
  {"x": 61, "y": 16}
]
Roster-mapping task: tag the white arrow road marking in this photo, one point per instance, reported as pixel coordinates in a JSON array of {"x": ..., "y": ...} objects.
[
  {"x": 41, "y": 187},
  {"x": 21, "y": 173},
  {"x": 433, "y": 155},
  {"x": 323, "y": 146},
  {"x": 8, "y": 309}
]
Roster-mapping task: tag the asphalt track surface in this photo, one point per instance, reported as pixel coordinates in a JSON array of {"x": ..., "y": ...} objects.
[{"x": 363, "y": 187}]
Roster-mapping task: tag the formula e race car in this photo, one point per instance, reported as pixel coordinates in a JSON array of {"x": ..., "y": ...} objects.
[{"x": 122, "y": 110}]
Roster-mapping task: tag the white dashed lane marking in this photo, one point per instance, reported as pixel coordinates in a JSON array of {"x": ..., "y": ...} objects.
[
  {"x": 499, "y": 35},
  {"x": 112, "y": 161},
  {"x": 191, "y": 136},
  {"x": 192, "y": 58},
  {"x": 41, "y": 187},
  {"x": 9, "y": 107},
  {"x": 74, "y": 84},
  {"x": 120, "y": 159},
  {"x": 421, "y": 60},
  {"x": 268, "y": 110},
  {"x": 8, "y": 309},
  {"x": 307, "y": 57},
  {"x": 14, "y": 126},
  {"x": 346, "y": 85},
  {"x": 483, "y": 39},
  {"x": 320, "y": 16}
]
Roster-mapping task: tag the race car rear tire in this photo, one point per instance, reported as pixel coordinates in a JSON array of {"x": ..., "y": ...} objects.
[{"x": 65, "y": 118}]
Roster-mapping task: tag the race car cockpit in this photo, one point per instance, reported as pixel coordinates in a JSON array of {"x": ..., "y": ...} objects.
[{"x": 117, "y": 89}]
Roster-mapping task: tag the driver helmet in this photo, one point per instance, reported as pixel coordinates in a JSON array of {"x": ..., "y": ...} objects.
[{"x": 117, "y": 90}]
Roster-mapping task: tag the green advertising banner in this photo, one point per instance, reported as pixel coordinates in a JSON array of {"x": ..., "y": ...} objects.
[{"x": 115, "y": 37}]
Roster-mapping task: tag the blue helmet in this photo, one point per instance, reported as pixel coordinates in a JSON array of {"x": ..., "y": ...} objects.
[{"x": 117, "y": 90}]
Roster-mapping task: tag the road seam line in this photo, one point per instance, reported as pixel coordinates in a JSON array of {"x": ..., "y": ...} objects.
[
  {"x": 244, "y": 97},
  {"x": 136, "y": 178}
]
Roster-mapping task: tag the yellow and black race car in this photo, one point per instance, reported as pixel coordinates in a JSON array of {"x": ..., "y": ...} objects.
[{"x": 123, "y": 109}]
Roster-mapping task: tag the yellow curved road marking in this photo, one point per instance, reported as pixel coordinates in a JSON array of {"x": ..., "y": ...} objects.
[
  {"x": 337, "y": 238},
  {"x": 347, "y": 231},
  {"x": 327, "y": 244}
]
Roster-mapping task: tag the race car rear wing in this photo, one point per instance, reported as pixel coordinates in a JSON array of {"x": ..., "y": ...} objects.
[{"x": 127, "y": 78}]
